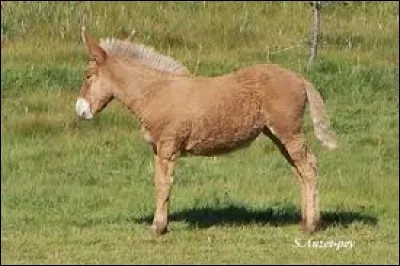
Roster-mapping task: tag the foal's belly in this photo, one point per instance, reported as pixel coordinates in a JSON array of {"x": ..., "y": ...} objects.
[
  {"x": 209, "y": 142},
  {"x": 225, "y": 127}
]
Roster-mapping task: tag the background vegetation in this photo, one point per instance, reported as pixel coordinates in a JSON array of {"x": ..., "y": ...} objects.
[{"x": 76, "y": 191}]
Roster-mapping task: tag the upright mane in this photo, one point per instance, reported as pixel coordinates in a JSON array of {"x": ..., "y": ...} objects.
[{"x": 126, "y": 50}]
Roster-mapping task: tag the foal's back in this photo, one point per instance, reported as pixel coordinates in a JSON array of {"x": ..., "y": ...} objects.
[{"x": 220, "y": 114}]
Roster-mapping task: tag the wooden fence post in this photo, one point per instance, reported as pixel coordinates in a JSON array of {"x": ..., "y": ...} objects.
[{"x": 314, "y": 31}]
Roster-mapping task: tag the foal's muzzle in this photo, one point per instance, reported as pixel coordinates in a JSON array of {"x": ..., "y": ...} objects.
[{"x": 82, "y": 109}]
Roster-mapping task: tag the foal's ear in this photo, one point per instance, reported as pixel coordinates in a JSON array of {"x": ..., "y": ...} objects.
[{"x": 95, "y": 50}]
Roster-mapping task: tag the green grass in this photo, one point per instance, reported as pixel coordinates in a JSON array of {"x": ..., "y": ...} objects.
[{"x": 76, "y": 191}]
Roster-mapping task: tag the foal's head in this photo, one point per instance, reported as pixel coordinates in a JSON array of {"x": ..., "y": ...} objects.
[
  {"x": 98, "y": 87},
  {"x": 96, "y": 90}
]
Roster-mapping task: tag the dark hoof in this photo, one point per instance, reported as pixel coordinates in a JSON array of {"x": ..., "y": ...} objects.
[{"x": 159, "y": 228}]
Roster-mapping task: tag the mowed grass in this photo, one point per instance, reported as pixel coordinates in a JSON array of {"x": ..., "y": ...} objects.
[{"x": 76, "y": 191}]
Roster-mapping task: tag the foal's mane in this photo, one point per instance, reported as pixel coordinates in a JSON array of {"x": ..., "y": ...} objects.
[{"x": 127, "y": 51}]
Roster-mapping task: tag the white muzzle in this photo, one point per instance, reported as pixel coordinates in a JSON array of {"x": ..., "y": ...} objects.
[{"x": 82, "y": 109}]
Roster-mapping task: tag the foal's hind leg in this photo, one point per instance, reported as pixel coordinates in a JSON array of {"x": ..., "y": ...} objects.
[
  {"x": 303, "y": 164},
  {"x": 306, "y": 166},
  {"x": 288, "y": 158}
]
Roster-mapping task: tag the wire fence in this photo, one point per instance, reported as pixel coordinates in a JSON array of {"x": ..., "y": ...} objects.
[{"x": 298, "y": 44}]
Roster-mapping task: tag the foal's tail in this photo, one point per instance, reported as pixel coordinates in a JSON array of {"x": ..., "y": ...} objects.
[{"x": 319, "y": 117}]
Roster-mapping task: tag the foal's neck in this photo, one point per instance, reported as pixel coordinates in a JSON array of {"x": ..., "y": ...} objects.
[{"x": 133, "y": 82}]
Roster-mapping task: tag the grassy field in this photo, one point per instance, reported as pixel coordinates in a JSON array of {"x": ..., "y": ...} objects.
[{"x": 76, "y": 191}]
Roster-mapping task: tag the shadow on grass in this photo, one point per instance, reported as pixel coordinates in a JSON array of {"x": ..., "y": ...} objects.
[{"x": 276, "y": 216}]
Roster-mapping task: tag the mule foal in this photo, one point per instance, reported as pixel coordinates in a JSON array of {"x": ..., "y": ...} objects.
[{"x": 185, "y": 115}]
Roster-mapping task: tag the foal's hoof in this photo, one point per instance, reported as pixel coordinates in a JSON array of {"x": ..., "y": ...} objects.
[{"x": 159, "y": 228}]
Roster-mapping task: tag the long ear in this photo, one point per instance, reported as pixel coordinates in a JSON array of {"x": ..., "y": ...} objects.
[{"x": 95, "y": 50}]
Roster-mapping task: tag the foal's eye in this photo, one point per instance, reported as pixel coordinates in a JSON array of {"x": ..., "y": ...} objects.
[{"x": 87, "y": 77}]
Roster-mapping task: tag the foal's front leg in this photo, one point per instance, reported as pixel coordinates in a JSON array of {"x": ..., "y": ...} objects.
[{"x": 163, "y": 181}]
